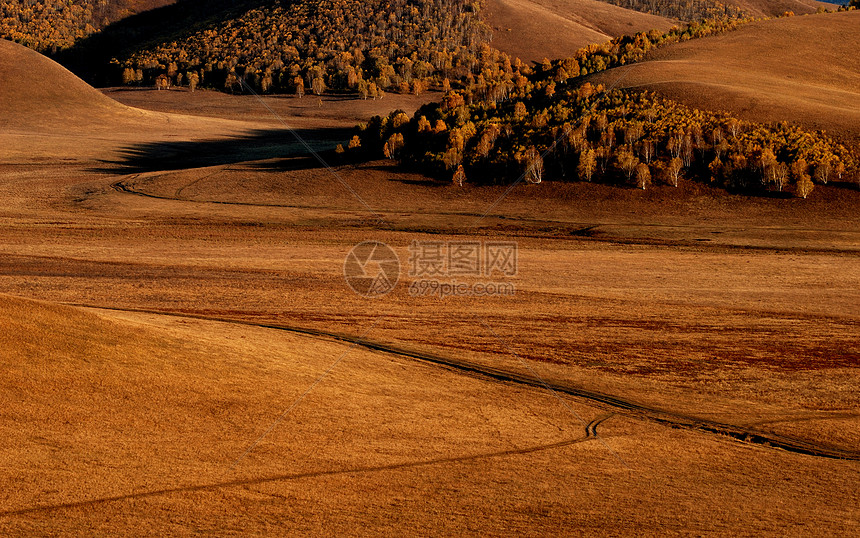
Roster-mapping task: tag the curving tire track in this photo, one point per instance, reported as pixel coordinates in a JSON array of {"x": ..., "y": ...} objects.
[
  {"x": 617, "y": 403},
  {"x": 591, "y": 427},
  {"x": 579, "y": 230},
  {"x": 196, "y": 488}
]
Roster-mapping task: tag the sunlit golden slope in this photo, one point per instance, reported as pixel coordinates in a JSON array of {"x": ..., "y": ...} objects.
[
  {"x": 38, "y": 92},
  {"x": 46, "y": 111},
  {"x": 775, "y": 8},
  {"x": 537, "y": 29},
  {"x": 800, "y": 69}
]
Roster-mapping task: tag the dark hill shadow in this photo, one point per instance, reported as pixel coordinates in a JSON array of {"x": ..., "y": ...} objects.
[
  {"x": 90, "y": 58},
  {"x": 288, "y": 149}
]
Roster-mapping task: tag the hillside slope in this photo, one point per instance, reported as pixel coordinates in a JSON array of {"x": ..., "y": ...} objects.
[
  {"x": 42, "y": 94},
  {"x": 775, "y": 8},
  {"x": 799, "y": 69},
  {"x": 537, "y": 29},
  {"x": 690, "y": 10},
  {"x": 115, "y": 422},
  {"x": 49, "y": 112}
]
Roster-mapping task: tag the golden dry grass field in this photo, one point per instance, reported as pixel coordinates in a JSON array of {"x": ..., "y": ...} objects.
[
  {"x": 538, "y": 29},
  {"x": 180, "y": 352},
  {"x": 802, "y": 68}
]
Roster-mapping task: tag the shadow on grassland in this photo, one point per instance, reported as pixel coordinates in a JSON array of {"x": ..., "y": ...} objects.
[
  {"x": 290, "y": 150},
  {"x": 90, "y": 58}
]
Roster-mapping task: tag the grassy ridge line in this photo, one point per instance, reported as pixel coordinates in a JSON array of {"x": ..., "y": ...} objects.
[
  {"x": 700, "y": 9},
  {"x": 666, "y": 418}
]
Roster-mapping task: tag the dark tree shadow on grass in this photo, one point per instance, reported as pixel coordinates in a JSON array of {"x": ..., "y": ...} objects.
[
  {"x": 90, "y": 58},
  {"x": 285, "y": 149}
]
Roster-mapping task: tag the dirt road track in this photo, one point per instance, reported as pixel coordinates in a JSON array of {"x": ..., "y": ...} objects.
[
  {"x": 590, "y": 434},
  {"x": 312, "y": 474},
  {"x": 616, "y": 403},
  {"x": 590, "y": 231}
]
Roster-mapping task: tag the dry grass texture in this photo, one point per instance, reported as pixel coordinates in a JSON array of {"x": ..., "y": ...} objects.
[
  {"x": 804, "y": 69},
  {"x": 536, "y": 29},
  {"x": 689, "y": 300}
]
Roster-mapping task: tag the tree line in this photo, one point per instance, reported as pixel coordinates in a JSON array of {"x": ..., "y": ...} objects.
[
  {"x": 550, "y": 123},
  {"x": 51, "y": 25},
  {"x": 363, "y": 47},
  {"x": 683, "y": 10}
]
